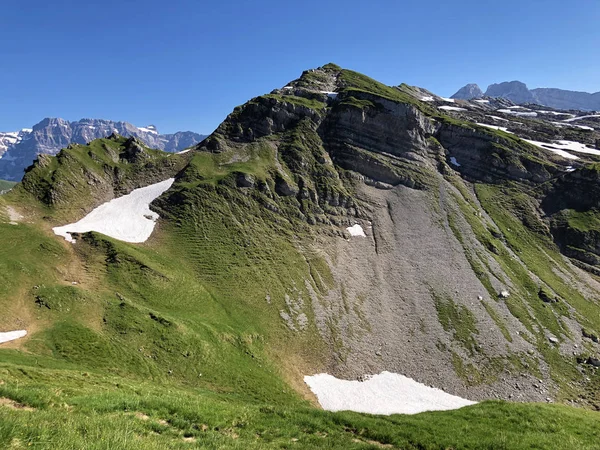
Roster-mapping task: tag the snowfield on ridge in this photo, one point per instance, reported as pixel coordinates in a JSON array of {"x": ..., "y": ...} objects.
[{"x": 127, "y": 218}]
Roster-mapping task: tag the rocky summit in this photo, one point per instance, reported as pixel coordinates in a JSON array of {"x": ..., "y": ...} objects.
[
  {"x": 19, "y": 149},
  {"x": 468, "y": 92},
  {"x": 334, "y": 225}
]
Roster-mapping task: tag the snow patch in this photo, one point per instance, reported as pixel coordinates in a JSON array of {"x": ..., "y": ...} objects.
[
  {"x": 499, "y": 118},
  {"x": 554, "y": 113},
  {"x": 576, "y": 147},
  {"x": 481, "y": 101},
  {"x": 183, "y": 151},
  {"x": 516, "y": 113},
  {"x": 553, "y": 148},
  {"x": 452, "y": 108},
  {"x": 386, "y": 393},
  {"x": 332, "y": 95},
  {"x": 450, "y": 100},
  {"x": 494, "y": 127},
  {"x": 573, "y": 119},
  {"x": 148, "y": 130},
  {"x": 356, "y": 230},
  {"x": 427, "y": 98},
  {"x": 454, "y": 162},
  {"x": 12, "y": 335},
  {"x": 126, "y": 218}
]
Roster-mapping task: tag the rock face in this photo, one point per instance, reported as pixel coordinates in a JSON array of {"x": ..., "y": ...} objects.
[
  {"x": 468, "y": 92},
  {"x": 52, "y": 134},
  {"x": 515, "y": 91}
]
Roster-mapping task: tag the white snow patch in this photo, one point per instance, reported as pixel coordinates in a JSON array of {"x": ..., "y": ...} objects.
[
  {"x": 452, "y": 108},
  {"x": 427, "y": 98},
  {"x": 148, "y": 130},
  {"x": 356, "y": 230},
  {"x": 450, "y": 100},
  {"x": 332, "y": 95},
  {"x": 553, "y": 148},
  {"x": 12, "y": 335},
  {"x": 499, "y": 118},
  {"x": 126, "y": 218},
  {"x": 554, "y": 113},
  {"x": 495, "y": 127},
  {"x": 516, "y": 113},
  {"x": 576, "y": 147},
  {"x": 454, "y": 162},
  {"x": 481, "y": 101},
  {"x": 183, "y": 151},
  {"x": 583, "y": 127},
  {"x": 518, "y": 107},
  {"x": 573, "y": 119},
  {"x": 386, "y": 393}
]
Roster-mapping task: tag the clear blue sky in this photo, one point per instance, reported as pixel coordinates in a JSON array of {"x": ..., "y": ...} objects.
[{"x": 185, "y": 64}]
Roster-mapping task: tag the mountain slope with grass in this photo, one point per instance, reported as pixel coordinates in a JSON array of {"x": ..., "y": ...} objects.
[{"x": 252, "y": 279}]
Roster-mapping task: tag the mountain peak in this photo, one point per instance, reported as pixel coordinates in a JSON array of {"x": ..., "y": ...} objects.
[
  {"x": 515, "y": 91},
  {"x": 468, "y": 92}
]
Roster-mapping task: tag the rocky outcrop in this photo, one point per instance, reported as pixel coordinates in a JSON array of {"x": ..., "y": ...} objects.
[
  {"x": 486, "y": 156},
  {"x": 468, "y": 92},
  {"x": 53, "y": 134}
]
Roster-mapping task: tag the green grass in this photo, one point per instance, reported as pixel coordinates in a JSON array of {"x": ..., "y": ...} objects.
[
  {"x": 76, "y": 409},
  {"x": 6, "y": 185},
  {"x": 458, "y": 320},
  {"x": 300, "y": 101}
]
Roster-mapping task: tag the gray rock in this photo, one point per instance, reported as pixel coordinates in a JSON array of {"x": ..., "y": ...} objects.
[
  {"x": 284, "y": 188},
  {"x": 468, "y": 92},
  {"x": 593, "y": 361},
  {"x": 515, "y": 91},
  {"x": 245, "y": 180},
  {"x": 553, "y": 340}
]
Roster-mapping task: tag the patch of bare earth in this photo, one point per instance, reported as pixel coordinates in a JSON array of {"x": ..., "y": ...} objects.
[{"x": 11, "y": 404}]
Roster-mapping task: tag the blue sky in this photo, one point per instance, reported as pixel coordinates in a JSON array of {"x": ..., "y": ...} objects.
[{"x": 184, "y": 65}]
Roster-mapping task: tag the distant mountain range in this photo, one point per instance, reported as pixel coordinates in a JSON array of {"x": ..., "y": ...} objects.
[
  {"x": 517, "y": 92},
  {"x": 18, "y": 149}
]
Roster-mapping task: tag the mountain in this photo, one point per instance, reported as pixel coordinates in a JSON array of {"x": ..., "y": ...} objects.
[
  {"x": 334, "y": 225},
  {"x": 468, "y": 92},
  {"x": 19, "y": 149},
  {"x": 10, "y": 139},
  {"x": 515, "y": 91},
  {"x": 563, "y": 99},
  {"x": 518, "y": 93}
]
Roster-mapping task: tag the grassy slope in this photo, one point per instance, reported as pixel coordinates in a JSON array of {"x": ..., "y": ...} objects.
[{"x": 6, "y": 185}]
